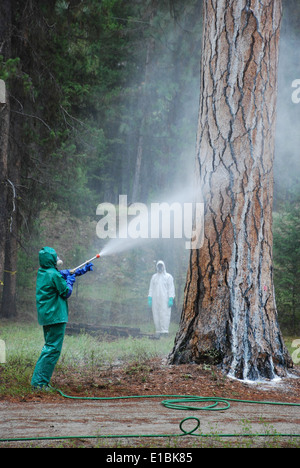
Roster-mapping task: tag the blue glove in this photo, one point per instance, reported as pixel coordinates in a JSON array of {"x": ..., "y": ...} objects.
[
  {"x": 171, "y": 302},
  {"x": 82, "y": 271},
  {"x": 149, "y": 301},
  {"x": 70, "y": 281},
  {"x": 64, "y": 273}
]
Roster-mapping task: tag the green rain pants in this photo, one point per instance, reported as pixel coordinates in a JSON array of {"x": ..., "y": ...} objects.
[{"x": 54, "y": 337}]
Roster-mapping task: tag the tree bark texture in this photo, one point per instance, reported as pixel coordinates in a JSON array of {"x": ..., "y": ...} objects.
[
  {"x": 229, "y": 313},
  {"x": 5, "y": 51},
  {"x": 8, "y": 307}
]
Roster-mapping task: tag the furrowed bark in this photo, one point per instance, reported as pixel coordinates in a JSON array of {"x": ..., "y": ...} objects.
[
  {"x": 5, "y": 50},
  {"x": 229, "y": 313}
]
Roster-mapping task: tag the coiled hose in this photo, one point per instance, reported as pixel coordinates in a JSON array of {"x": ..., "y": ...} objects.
[{"x": 177, "y": 402}]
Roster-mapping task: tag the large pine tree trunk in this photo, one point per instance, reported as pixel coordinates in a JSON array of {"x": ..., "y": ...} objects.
[{"x": 229, "y": 313}]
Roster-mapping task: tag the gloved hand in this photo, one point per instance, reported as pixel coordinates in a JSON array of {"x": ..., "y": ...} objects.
[
  {"x": 171, "y": 302},
  {"x": 82, "y": 271},
  {"x": 149, "y": 301},
  {"x": 70, "y": 281},
  {"x": 64, "y": 273}
]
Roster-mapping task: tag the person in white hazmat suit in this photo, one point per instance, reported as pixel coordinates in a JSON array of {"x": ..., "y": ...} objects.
[{"x": 161, "y": 298}]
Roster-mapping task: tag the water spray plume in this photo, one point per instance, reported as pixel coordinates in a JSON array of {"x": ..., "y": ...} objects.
[
  {"x": 131, "y": 226},
  {"x": 85, "y": 263}
]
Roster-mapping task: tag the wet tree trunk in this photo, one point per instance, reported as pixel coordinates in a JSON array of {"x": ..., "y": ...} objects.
[{"x": 229, "y": 313}]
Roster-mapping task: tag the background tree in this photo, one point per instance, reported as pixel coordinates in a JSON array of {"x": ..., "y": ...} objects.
[
  {"x": 229, "y": 313},
  {"x": 75, "y": 74},
  {"x": 82, "y": 95},
  {"x": 5, "y": 51},
  {"x": 287, "y": 264}
]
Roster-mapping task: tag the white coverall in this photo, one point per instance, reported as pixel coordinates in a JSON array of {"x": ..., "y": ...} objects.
[{"x": 161, "y": 289}]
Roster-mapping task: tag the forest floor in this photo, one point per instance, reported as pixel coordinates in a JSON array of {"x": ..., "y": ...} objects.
[{"x": 48, "y": 414}]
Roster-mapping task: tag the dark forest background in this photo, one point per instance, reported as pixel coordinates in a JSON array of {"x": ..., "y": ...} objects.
[{"x": 102, "y": 100}]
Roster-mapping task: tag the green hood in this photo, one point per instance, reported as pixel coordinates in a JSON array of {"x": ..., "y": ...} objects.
[
  {"x": 51, "y": 290},
  {"x": 47, "y": 257}
]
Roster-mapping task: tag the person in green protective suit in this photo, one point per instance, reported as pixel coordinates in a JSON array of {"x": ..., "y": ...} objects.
[{"x": 53, "y": 288}]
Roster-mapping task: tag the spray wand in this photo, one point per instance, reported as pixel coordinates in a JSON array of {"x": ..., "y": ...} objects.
[{"x": 83, "y": 264}]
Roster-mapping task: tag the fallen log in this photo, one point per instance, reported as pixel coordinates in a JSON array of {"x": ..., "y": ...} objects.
[{"x": 95, "y": 330}]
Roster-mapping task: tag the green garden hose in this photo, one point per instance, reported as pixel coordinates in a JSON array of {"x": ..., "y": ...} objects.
[{"x": 177, "y": 402}]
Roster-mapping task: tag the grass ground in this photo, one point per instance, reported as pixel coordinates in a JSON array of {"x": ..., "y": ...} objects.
[
  {"x": 89, "y": 367},
  {"x": 24, "y": 343}
]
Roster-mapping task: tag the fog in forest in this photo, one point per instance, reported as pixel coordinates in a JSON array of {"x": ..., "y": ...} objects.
[
  {"x": 127, "y": 263},
  {"x": 162, "y": 98},
  {"x": 287, "y": 160}
]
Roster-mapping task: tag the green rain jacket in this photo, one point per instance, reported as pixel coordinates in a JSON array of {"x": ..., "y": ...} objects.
[{"x": 51, "y": 288}]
